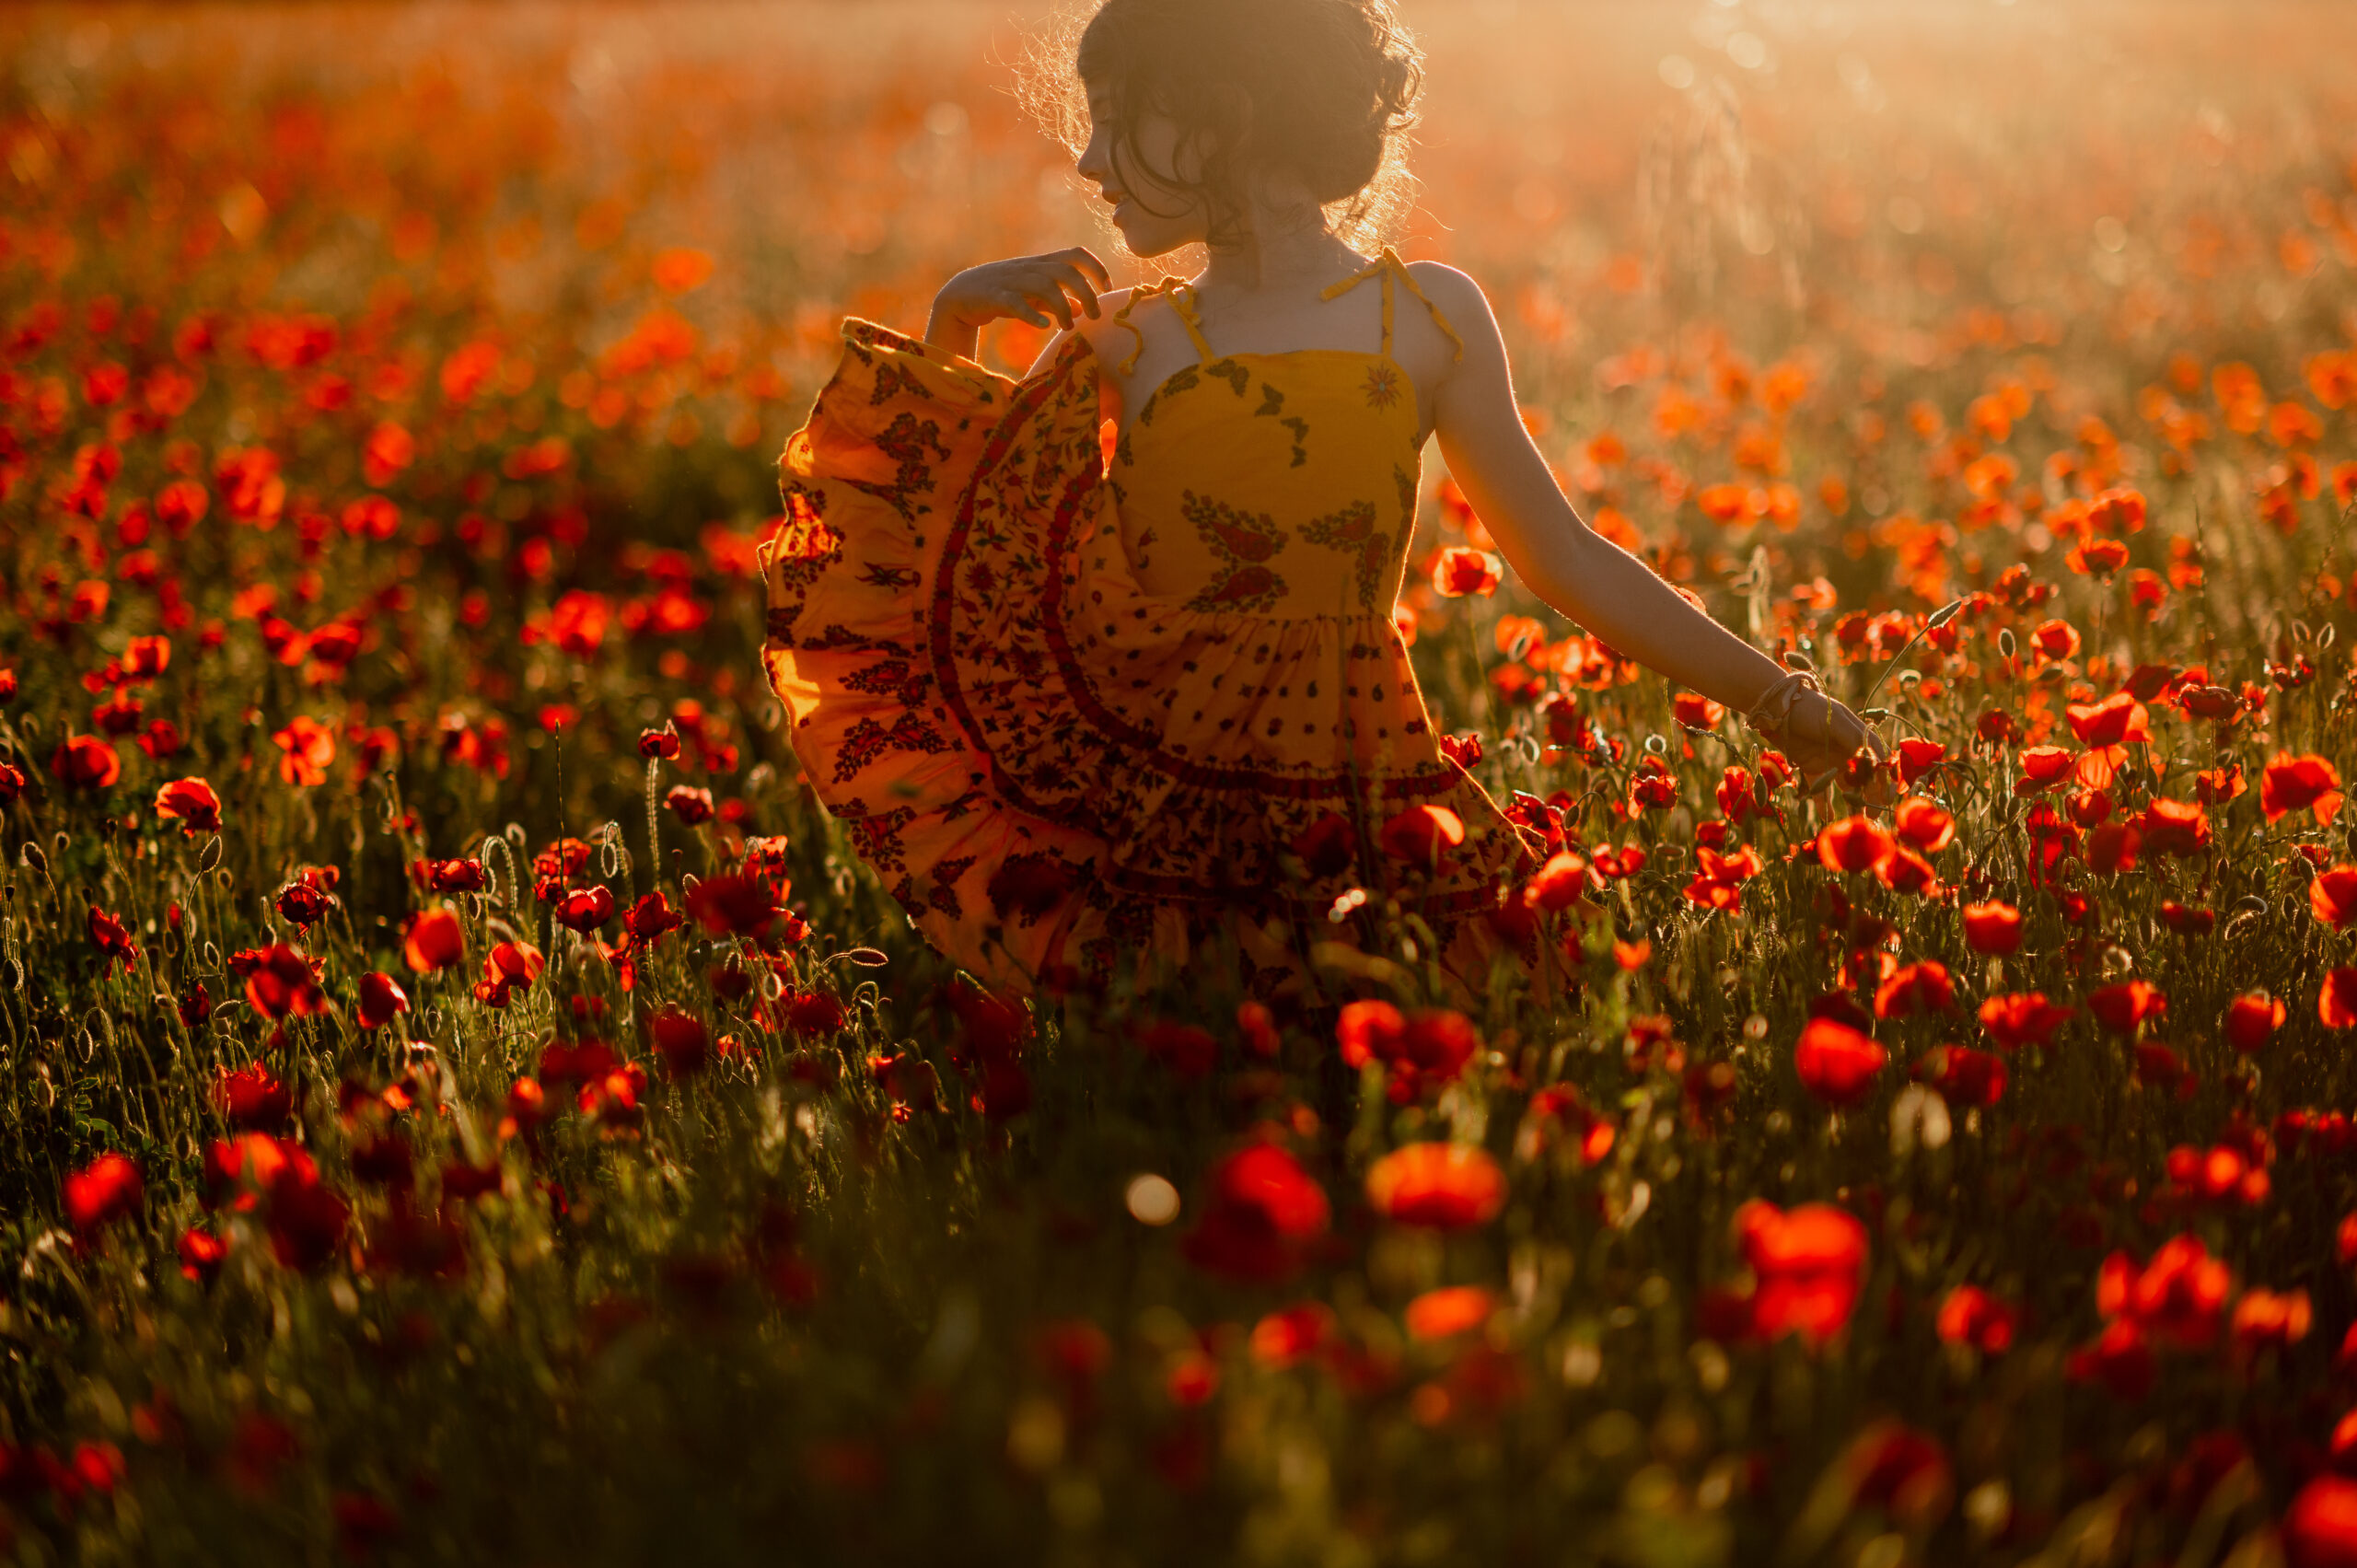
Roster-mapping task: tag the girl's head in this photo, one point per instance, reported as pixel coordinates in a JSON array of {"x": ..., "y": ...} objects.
[{"x": 1201, "y": 119}]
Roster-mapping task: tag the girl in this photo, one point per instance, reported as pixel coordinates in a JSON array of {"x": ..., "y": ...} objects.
[{"x": 1100, "y": 665}]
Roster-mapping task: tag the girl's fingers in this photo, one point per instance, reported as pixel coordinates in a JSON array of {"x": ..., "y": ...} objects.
[
  {"x": 1075, "y": 280},
  {"x": 1084, "y": 256}
]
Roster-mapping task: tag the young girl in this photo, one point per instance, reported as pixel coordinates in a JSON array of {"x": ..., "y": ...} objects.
[{"x": 1100, "y": 665}]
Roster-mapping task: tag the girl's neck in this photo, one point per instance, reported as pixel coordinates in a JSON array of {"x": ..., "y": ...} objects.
[{"x": 1278, "y": 253}]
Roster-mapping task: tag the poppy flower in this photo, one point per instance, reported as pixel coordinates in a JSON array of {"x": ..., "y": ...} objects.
[
  {"x": 1718, "y": 879},
  {"x": 2174, "y": 827},
  {"x": 1927, "y": 825},
  {"x": 2044, "y": 768},
  {"x": 1448, "y": 1311},
  {"x": 1837, "y": 1063},
  {"x": 1992, "y": 927},
  {"x": 1558, "y": 884},
  {"x": 435, "y": 940},
  {"x": 192, "y": 804},
  {"x": 1852, "y": 844},
  {"x": 679, "y": 1037},
  {"x": 112, "y": 938},
  {"x": 1970, "y": 1316},
  {"x": 2291, "y": 783},
  {"x": 2119, "y": 1359},
  {"x": 1918, "y": 757},
  {"x": 281, "y": 982},
  {"x": 202, "y": 1254},
  {"x": 659, "y": 744},
  {"x": 2332, "y": 897},
  {"x": 2118, "y": 719},
  {"x": 309, "y": 747},
  {"x": 1423, "y": 836},
  {"x": 586, "y": 909},
  {"x": 511, "y": 966},
  {"x": 1286, "y": 1336},
  {"x": 1916, "y": 988},
  {"x": 1327, "y": 846},
  {"x": 1966, "y": 1076},
  {"x": 382, "y": 998},
  {"x": 1437, "y": 1186},
  {"x": 2252, "y": 1020},
  {"x": 252, "y": 1098},
  {"x": 2337, "y": 999},
  {"x": 306, "y": 1219},
  {"x": 302, "y": 904},
  {"x": 84, "y": 761},
  {"x": 1459, "y": 571},
  {"x": 1262, "y": 1211},
  {"x": 692, "y": 807},
  {"x": 2021, "y": 1018},
  {"x": 734, "y": 905},
  {"x": 2120, "y": 1009},
  {"x": 101, "y": 1192},
  {"x": 2320, "y": 1527},
  {"x": 1810, "y": 1264}
]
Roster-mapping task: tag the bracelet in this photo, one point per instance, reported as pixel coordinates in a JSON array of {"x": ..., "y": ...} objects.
[{"x": 1778, "y": 701}]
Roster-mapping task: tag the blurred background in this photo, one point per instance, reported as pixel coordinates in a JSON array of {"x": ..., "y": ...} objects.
[{"x": 639, "y": 228}]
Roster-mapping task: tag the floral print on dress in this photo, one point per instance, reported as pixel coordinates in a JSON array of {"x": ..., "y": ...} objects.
[{"x": 1063, "y": 763}]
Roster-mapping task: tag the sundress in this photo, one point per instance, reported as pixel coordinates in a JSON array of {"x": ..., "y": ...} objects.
[{"x": 1085, "y": 707}]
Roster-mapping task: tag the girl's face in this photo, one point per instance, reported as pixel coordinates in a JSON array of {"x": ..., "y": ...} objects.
[{"x": 1153, "y": 213}]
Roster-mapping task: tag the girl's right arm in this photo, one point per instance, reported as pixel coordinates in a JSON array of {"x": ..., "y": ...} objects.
[
  {"x": 1611, "y": 593},
  {"x": 1037, "y": 289}
]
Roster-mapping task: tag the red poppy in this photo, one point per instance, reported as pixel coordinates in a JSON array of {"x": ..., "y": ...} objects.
[
  {"x": 511, "y": 966},
  {"x": 1992, "y": 927},
  {"x": 1448, "y": 1311},
  {"x": 1966, "y": 1076},
  {"x": 253, "y": 1100},
  {"x": 84, "y": 761},
  {"x": 2291, "y": 783},
  {"x": 2021, "y": 1018},
  {"x": 1970, "y": 1316},
  {"x": 192, "y": 804},
  {"x": 1437, "y": 1186},
  {"x": 586, "y": 909},
  {"x": 1719, "y": 879},
  {"x": 101, "y": 1192},
  {"x": 1459, "y": 571},
  {"x": 281, "y": 982},
  {"x": 2177, "y": 1298},
  {"x": 1423, "y": 836},
  {"x": 733, "y": 905},
  {"x": 202, "y": 1254},
  {"x": 1327, "y": 846},
  {"x": 1262, "y": 1211},
  {"x": 1810, "y": 1264},
  {"x": 1918, "y": 757},
  {"x": 2120, "y": 1009},
  {"x": 112, "y": 938},
  {"x": 302, "y": 903},
  {"x": 2337, "y": 999},
  {"x": 381, "y": 997},
  {"x": 659, "y": 744},
  {"x": 309, "y": 747},
  {"x": 679, "y": 1037},
  {"x": 1559, "y": 883},
  {"x": 2320, "y": 1527},
  {"x": 1917, "y": 988},
  {"x": 691, "y": 806},
  {"x": 2174, "y": 827},
  {"x": 2118, "y": 719},
  {"x": 2332, "y": 896},
  {"x": 435, "y": 940},
  {"x": 1836, "y": 1063},
  {"x": 2044, "y": 767},
  {"x": 1927, "y": 825},
  {"x": 1852, "y": 844},
  {"x": 2252, "y": 1020},
  {"x": 2120, "y": 1359}
]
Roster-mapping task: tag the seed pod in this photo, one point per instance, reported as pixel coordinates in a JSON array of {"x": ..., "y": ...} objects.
[
  {"x": 212, "y": 855},
  {"x": 867, "y": 957}
]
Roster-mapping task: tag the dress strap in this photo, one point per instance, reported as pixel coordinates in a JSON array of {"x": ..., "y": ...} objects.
[
  {"x": 1386, "y": 265},
  {"x": 1181, "y": 295}
]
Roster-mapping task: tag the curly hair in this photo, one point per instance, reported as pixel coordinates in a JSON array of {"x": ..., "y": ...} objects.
[{"x": 1322, "y": 90}]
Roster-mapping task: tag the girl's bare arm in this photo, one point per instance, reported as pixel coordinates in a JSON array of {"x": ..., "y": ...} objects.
[{"x": 1586, "y": 576}]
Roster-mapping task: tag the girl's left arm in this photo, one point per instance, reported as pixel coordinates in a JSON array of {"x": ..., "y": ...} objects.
[{"x": 1579, "y": 572}]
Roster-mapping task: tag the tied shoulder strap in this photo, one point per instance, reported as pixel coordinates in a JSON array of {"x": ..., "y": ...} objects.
[
  {"x": 1181, "y": 295},
  {"x": 1386, "y": 265}
]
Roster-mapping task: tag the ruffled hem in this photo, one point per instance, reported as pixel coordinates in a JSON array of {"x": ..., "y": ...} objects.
[{"x": 1049, "y": 767}]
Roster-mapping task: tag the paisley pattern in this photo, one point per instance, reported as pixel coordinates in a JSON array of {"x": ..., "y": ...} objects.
[{"x": 1064, "y": 755}]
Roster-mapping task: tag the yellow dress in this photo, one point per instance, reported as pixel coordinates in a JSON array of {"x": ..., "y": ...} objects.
[{"x": 1080, "y": 711}]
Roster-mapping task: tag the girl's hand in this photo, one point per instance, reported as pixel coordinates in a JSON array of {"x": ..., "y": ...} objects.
[
  {"x": 1819, "y": 735},
  {"x": 1042, "y": 290}
]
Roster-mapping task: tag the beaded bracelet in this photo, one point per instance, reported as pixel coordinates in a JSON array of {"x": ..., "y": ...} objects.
[{"x": 1778, "y": 700}]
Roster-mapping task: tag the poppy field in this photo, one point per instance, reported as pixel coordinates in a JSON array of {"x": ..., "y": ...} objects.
[{"x": 462, "y": 1100}]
